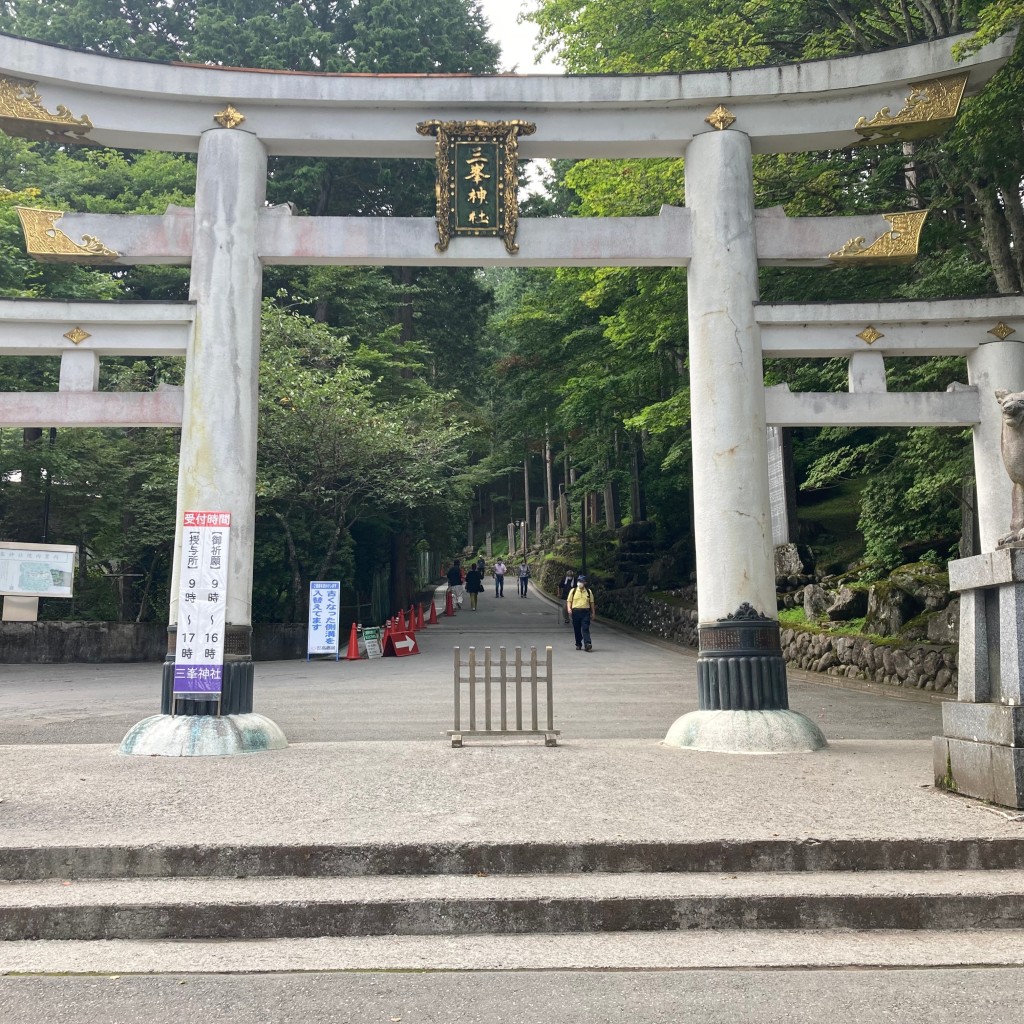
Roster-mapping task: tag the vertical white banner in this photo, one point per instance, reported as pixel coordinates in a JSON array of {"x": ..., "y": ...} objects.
[
  {"x": 324, "y": 602},
  {"x": 202, "y": 598}
]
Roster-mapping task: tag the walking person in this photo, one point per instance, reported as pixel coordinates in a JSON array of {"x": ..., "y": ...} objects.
[
  {"x": 499, "y": 571},
  {"x": 474, "y": 585},
  {"x": 524, "y": 577},
  {"x": 564, "y": 590},
  {"x": 455, "y": 582},
  {"x": 581, "y": 606}
]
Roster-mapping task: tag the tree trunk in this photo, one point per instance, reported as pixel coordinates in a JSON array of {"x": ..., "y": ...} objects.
[
  {"x": 934, "y": 22},
  {"x": 610, "y": 514},
  {"x": 997, "y": 237},
  {"x": 908, "y": 25},
  {"x": 1014, "y": 213},
  {"x": 636, "y": 498},
  {"x": 146, "y": 586},
  {"x": 403, "y": 311},
  {"x": 298, "y": 591},
  {"x": 526, "y": 501},
  {"x": 400, "y": 596}
]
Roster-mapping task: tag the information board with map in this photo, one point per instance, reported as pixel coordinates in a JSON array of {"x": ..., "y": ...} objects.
[{"x": 37, "y": 570}]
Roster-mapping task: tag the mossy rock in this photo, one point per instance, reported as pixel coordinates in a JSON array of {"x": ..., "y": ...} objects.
[
  {"x": 926, "y": 583},
  {"x": 890, "y": 608},
  {"x": 916, "y": 630}
]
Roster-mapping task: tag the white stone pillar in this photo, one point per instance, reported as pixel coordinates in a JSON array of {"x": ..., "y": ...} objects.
[
  {"x": 741, "y": 672},
  {"x": 777, "y": 487},
  {"x": 996, "y": 364},
  {"x": 732, "y": 509},
  {"x": 217, "y": 467}
]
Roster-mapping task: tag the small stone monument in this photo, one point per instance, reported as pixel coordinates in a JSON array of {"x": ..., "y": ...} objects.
[{"x": 981, "y": 751}]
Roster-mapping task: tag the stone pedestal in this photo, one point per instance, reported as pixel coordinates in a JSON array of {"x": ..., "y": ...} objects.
[
  {"x": 981, "y": 751},
  {"x": 202, "y": 736}
]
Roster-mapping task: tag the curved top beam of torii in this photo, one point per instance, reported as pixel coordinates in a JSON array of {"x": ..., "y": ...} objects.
[{"x": 49, "y": 90}]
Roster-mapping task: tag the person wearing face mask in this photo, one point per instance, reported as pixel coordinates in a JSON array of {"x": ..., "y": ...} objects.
[{"x": 581, "y": 606}]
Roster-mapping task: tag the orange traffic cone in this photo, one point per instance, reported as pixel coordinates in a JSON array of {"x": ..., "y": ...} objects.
[
  {"x": 420, "y": 624},
  {"x": 400, "y": 623},
  {"x": 449, "y": 604},
  {"x": 412, "y": 618},
  {"x": 387, "y": 629},
  {"x": 353, "y": 645},
  {"x": 432, "y": 618}
]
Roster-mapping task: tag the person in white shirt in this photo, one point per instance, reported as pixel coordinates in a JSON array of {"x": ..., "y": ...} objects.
[{"x": 499, "y": 578}]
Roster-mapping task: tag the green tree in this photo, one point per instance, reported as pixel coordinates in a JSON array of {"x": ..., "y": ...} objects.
[
  {"x": 969, "y": 180},
  {"x": 333, "y": 454},
  {"x": 407, "y": 347}
]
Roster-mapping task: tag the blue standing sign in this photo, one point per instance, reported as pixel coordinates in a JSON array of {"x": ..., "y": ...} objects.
[{"x": 324, "y": 602}]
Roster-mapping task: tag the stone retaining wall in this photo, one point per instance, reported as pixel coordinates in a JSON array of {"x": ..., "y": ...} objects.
[
  {"x": 633, "y": 606},
  {"x": 917, "y": 666},
  {"x": 920, "y": 666},
  {"x": 56, "y": 643}
]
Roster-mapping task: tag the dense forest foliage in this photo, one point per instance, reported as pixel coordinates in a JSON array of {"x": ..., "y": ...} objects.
[
  {"x": 910, "y": 481},
  {"x": 397, "y": 405}
]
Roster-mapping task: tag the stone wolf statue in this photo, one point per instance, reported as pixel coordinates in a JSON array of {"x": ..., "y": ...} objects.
[{"x": 1012, "y": 446}]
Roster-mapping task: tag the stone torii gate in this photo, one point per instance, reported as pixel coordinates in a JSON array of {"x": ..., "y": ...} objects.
[{"x": 234, "y": 119}]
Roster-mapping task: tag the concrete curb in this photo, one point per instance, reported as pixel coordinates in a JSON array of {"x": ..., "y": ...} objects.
[
  {"x": 251, "y": 910},
  {"x": 512, "y": 858}
]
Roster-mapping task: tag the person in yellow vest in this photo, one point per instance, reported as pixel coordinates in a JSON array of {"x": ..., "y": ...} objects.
[{"x": 581, "y": 606}]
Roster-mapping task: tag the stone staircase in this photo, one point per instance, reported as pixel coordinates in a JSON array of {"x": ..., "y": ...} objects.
[{"x": 511, "y": 889}]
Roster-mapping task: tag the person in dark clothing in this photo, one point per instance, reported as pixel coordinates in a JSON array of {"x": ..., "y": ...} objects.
[
  {"x": 564, "y": 590},
  {"x": 524, "y": 577},
  {"x": 455, "y": 582},
  {"x": 474, "y": 585}
]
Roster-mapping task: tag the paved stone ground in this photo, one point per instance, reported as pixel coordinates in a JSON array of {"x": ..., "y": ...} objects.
[
  {"x": 627, "y": 688},
  {"x": 714, "y": 997},
  {"x": 369, "y": 761}
]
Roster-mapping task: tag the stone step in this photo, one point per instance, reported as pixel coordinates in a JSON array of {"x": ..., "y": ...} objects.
[
  {"x": 264, "y": 908},
  {"x": 343, "y": 860}
]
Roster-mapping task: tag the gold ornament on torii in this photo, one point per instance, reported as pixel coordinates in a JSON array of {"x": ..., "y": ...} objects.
[
  {"x": 48, "y": 244},
  {"x": 229, "y": 117},
  {"x": 720, "y": 118},
  {"x": 929, "y": 110},
  {"x": 898, "y": 245},
  {"x": 22, "y": 114}
]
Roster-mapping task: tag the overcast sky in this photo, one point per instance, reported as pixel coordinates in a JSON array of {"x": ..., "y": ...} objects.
[{"x": 516, "y": 40}]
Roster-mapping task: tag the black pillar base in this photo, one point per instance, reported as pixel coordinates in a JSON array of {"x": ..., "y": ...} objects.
[
  {"x": 740, "y": 665},
  {"x": 236, "y": 695},
  {"x": 236, "y": 692}
]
